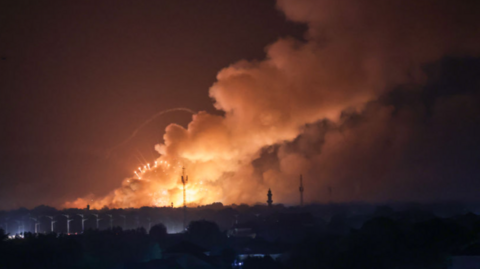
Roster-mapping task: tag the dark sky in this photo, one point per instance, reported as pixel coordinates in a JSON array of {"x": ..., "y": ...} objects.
[{"x": 79, "y": 76}]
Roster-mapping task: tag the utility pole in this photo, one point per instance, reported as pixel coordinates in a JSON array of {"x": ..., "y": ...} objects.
[
  {"x": 184, "y": 181},
  {"x": 301, "y": 191}
]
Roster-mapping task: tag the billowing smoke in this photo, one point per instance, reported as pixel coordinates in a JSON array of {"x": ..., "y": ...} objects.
[{"x": 325, "y": 107}]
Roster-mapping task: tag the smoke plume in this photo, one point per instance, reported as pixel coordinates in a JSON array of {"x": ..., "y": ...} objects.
[{"x": 325, "y": 107}]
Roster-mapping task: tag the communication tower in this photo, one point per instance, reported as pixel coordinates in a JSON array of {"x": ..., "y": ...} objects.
[
  {"x": 184, "y": 182},
  {"x": 269, "y": 195}
]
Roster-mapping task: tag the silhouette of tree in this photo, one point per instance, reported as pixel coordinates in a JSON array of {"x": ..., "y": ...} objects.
[
  {"x": 158, "y": 232},
  {"x": 261, "y": 263},
  {"x": 383, "y": 211},
  {"x": 228, "y": 255},
  {"x": 204, "y": 233},
  {"x": 3, "y": 235}
]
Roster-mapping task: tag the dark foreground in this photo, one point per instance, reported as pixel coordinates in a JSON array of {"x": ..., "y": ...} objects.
[{"x": 331, "y": 236}]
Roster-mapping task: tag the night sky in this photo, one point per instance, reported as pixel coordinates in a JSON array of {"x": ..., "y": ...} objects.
[{"x": 378, "y": 101}]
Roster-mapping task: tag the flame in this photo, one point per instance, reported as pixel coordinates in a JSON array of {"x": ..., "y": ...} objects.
[{"x": 160, "y": 185}]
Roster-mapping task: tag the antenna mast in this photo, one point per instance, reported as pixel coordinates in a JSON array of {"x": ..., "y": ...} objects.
[
  {"x": 301, "y": 190},
  {"x": 184, "y": 181}
]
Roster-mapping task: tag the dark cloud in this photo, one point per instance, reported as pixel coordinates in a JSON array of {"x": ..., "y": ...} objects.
[{"x": 413, "y": 144}]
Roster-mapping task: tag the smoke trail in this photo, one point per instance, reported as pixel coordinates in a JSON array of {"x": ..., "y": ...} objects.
[{"x": 146, "y": 123}]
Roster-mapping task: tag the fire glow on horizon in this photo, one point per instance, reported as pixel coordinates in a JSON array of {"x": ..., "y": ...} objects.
[{"x": 150, "y": 181}]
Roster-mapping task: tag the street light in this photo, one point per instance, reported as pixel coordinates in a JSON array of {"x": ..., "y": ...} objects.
[
  {"x": 111, "y": 221},
  {"x": 36, "y": 224},
  {"x": 52, "y": 222},
  {"x": 68, "y": 222},
  {"x": 137, "y": 222},
  {"x": 149, "y": 224},
  {"x": 98, "y": 219},
  {"x": 20, "y": 225},
  {"x": 6, "y": 224},
  {"x": 83, "y": 221},
  {"x": 124, "y": 221}
]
